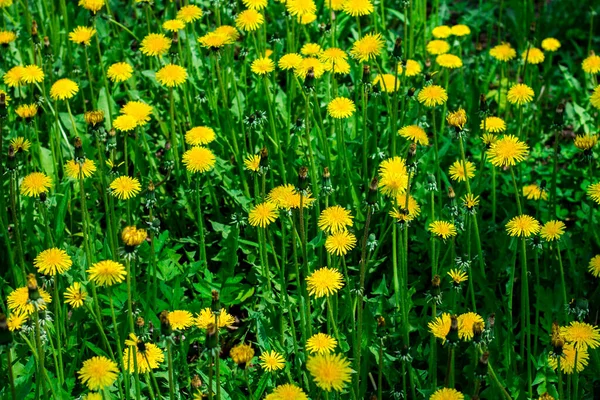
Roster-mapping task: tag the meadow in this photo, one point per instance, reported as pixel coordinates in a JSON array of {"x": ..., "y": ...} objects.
[{"x": 299, "y": 199}]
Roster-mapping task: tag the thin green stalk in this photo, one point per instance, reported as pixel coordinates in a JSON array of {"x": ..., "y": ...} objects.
[
  {"x": 170, "y": 363},
  {"x": 201, "y": 243}
]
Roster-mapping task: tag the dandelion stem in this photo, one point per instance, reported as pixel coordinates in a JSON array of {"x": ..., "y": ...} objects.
[
  {"x": 201, "y": 243},
  {"x": 170, "y": 361},
  {"x": 11, "y": 377},
  {"x": 359, "y": 323},
  {"x": 57, "y": 324}
]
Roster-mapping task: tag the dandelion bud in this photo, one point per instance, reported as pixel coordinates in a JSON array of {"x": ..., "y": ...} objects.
[
  {"x": 326, "y": 181},
  {"x": 482, "y": 365},
  {"x": 559, "y": 116},
  {"x": 264, "y": 158},
  {"x": 372, "y": 194},
  {"x": 79, "y": 156},
  {"x": 175, "y": 39},
  {"x": 380, "y": 321},
  {"x": 3, "y": 111},
  {"x": 11, "y": 163},
  {"x": 5, "y": 335},
  {"x": 532, "y": 27},
  {"x": 132, "y": 236},
  {"x": 397, "y": 53},
  {"x": 43, "y": 197},
  {"x": 457, "y": 118},
  {"x": 94, "y": 118},
  {"x": 309, "y": 81},
  {"x": 196, "y": 382},
  {"x": 366, "y": 74},
  {"x": 428, "y": 74},
  {"x": 34, "y": 33},
  {"x": 242, "y": 354},
  {"x": 47, "y": 48},
  {"x": 452, "y": 336},
  {"x": 491, "y": 321},
  {"x": 303, "y": 178},
  {"x": 165, "y": 325},
  {"x": 411, "y": 92},
  {"x": 32, "y": 288},
  {"x": 477, "y": 331},
  {"x": 216, "y": 302},
  {"x": 451, "y": 194},
  {"x": 483, "y": 107}
]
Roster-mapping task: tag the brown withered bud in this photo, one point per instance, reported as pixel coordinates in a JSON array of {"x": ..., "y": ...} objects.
[
  {"x": 397, "y": 53},
  {"x": 32, "y": 288},
  {"x": 264, "y": 157},
  {"x": 532, "y": 27},
  {"x": 34, "y": 29},
  {"x": 326, "y": 173},
  {"x": 491, "y": 321},
  {"x": 112, "y": 132},
  {"x": 302, "y": 178},
  {"x": 477, "y": 331},
  {"x": 427, "y": 65},
  {"x": 380, "y": 321},
  {"x": 411, "y": 92},
  {"x": 43, "y": 197},
  {"x": 482, "y": 365},
  {"x": 216, "y": 302},
  {"x": 436, "y": 281},
  {"x": 139, "y": 322},
  {"x": 151, "y": 186},
  {"x": 452, "y": 336},
  {"x": 46, "y": 42},
  {"x": 79, "y": 156},
  {"x": 309, "y": 80},
  {"x": 483, "y": 107},
  {"x": 372, "y": 194},
  {"x": 196, "y": 382},
  {"x": 451, "y": 194},
  {"x": 175, "y": 38},
  {"x": 165, "y": 324},
  {"x": 5, "y": 335}
]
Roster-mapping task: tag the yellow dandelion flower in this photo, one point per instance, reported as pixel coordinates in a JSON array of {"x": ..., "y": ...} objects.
[
  {"x": 106, "y": 273},
  {"x": 20, "y": 144},
  {"x": 290, "y": 61},
  {"x": 18, "y": 301},
  {"x": 148, "y": 356},
  {"x": 433, "y": 95},
  {"x": 465, "y": 325},
  {"x": 460, "y": 171},
  {"x": 32, "y": 74},
  {"x": 171, "y": 75},
  {"x": 324, "y": 282},
  {"x": 98, "y": 373},
  {"x": 335, "y": 219},
  {"x": 393, "y": 176},
  {"x": 52, "y": 261},
  {"x": 311, "y": 50},
  {"x": 387, "y": 82},
  {"x": 125, "y": 187},
  {"x": 461, "y": 30},
  {"x": 229, "y": 31},
  {"x": 440, "y": 326},
  {"x": 27, "y": 111},
  {"x": 329, "y": 371},
  {"x": 119, "y": 72},
  {"x": 307, "y": 64},
  {"x": 493, "y": 124},
  {"x": 567, "y": 361},
  {"x": 93, "y": 117},
  {"x": 437, "y": 47},
  {"x": 287, "y": 392},
  {"x": 594, "y": 266},
  {"x": 200, "y": 135},
  {"x": 14, "y": 76},
  {"x": 155, "y": 44},
  {"x": 138, "y": 110},
  {"x": 533, "y": 55},
  {"x": 550, "y": 44},
  {"x": 298, "y": 8},
  {"x": 340, "y": 107},
  {"x": 249, "y": 20},
  {"x": 520, "y": 94},
  {"x": 595, "y": 97},
  {"x": 457, "y": 118},
  {"x": 132, "y": 236},
  {"x": 368, "y": 47},
  {"x": 321, "y": 343},
  {"x": 307, "y": 19},
  {"x": 15, "y": 321},
  {"x": 214, "y": 41},
  {"x": 489, "y": 139},
  {"x": 252, "y": 162},
  {"x": 586, "y": 141},
  {"x": 411, "y": 206},
  {"x": 272, "y": 361},
  {"x": 180, "y": 319},
  {"x": 441, "y": 32},
  {"x": 6, "y": 37},
  {"x": 523, "y": 226},
  {"x": 199, "y": 159},
  {"x": 591, "y": 65},
  {"x": 125, "y": 123},
  {"x": 35, "y": 183},
  {"x": 413, "y": 68},
  {"x": 552, "y": 230},
  {"x": 449, "y": 61},
  {"x": 242, "y": 354},
  {"x": 443, "y": 229},
  {"x": 262, "y": 66},
  {"x": 82, "y": 35},
  {"x": 63, "y": 89},
  {"x": 458, "y": 276},
  {"x": 534, "y": 192},
  {"x": 582, "y": 335},
  {"x": 414, "y": 133},
  {"x": 263, "y": 214},
  {"x": 507, "y": 151},
  {"x": 173, "y": 25},
  {"x": 189, "y": 13},
  {"x": 73, "y": 169},
  {"x": 447, "y": 394},
  {"x": 206, "y": 317},
  {"x": 75, "y": 295},
  {"x": 287, "y": 197},
  {"x": 358, "y": 8},
  {"x": 503, "y": 52},
  {"x": 92, "y": 5},
  {"x": 470, "y": 201},
  {"x": 335, "y": 5},
  {"x": 340, "y": 243}
]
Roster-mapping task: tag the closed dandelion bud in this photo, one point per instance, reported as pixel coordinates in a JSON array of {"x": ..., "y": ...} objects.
[
  {"x": 431, "y": 182},
  {"x": 303, "y": 179},
  {"x": 309, "y": 81},
  {"x": 132, "y": 236},
  {"x": 5, "y": 335},
  {"x": 165, "y": 325},
  {"x": 477, "y": 331},
  {"x": 211, "y": 337},
  {"x": 94, "y": 118},
  {"x": 483, "y": 107},
  {"x": 242, "y": 354},
  {"x": 532, "y": 27},
  {"x": 216, "y": 302},
  {"x": 491, "y": 321},
  {"x": 428, "y": 74},
  {"x": 150, "y": 195},
  {"x": 326, "y": 182},
  {"x": 559, "y": 115},
  {"x": 451, "y": 194},
  {"x": 380, "y": 321},
  {"x": 34, "y": 33},
  {"x": 139, "y": 322},
  {"x": 79, "y": 156},
  {"x": 482, "y": 365},
  {"x": 372, "y": 194},
  {"x": 32, "y": 288},
  {"x": 366, "y": 75},
  {"x": 43, "y": 197},
  {"x": 397, "y": 53},
  {"x": 411, "y": 92},
  {"x": 11, "y": 163},
  {"x": 264, "y": 158},
  {"x": 452, "y": 336},
  {"x": 196, "y": 382},
  {"x": 47, "y": 48},
  {"x": 3, "y": 110}
]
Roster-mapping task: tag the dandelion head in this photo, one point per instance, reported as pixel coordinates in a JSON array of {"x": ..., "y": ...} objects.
[
  {"x": 447, "y": 394},
  {"x": 321, "y": 343},
  {"x": 591, "y": 65},
  {"x": 52, "y": 261},
  {"x": 433, "y": 95},
  {"x": 125, "y": 187},
  {"x": 507, "y": 151},
  {"x": 340, "y": 243},
  {"x": 98, "y": 373},
  {"x": 461, "y": 30},
  {"x": 180, "y": 319},
  {"x": 75, "y": 295},
  {"x": 449, "y": 61},
  {"x": 461, "y": 171},
  {"x": 63, "y": 89},
  {"x": 550, "y": 44},
  {"x": 533, "y": 55},
  {"x": 523, "y": 226},
  {"x": 415, "y": 134},
  {"x": 82, "y": 35},
  {"x": 35, "y": 184},
  {"x": 249, "y": 20},
  {"x": 263, "y": 214},
  {"x": 199, "y": 159},
  {"x": 289, "y": 61},
  {"x": 503, "y": 52},
  {"x": 119, "y": 72},
  {"x": 329, "y": 371},
  {"x": 441, "y": 32},
  {"x": 242, "y": 354},
  {"x": 107, "y": 273},
  {"x": 200, "y": 135},
  {"x": 567, "y": 359},
  {"x": 437, "y": 47},
  {"x": 493, "y": 124},
  {"x": 552, "y": 230},
  {"x": 173, "y": 25},
  {"x": 189, "y": 13},
  {"x": 324, "y": 282},
  {"x": 393, "y": 176},
  {"x": 586, "y": 141},
  {"x": 155, "y": 44},
  {"x": 262, "y": 66},
  {"x": 520, "y": 94},
  {"x": 443, "y": 229},
  {"x": 340, "y": 107},
  {"x": 271, "y": 361},
  {"x": 368, "y": 47},
  {"x": 594, "y": 266},
  {"x": 358, "y": 8},
  {"x": 171, "y": 75}
]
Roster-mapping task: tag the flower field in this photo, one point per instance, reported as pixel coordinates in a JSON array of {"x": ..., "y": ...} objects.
[{"x": 299, "y": 199}]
